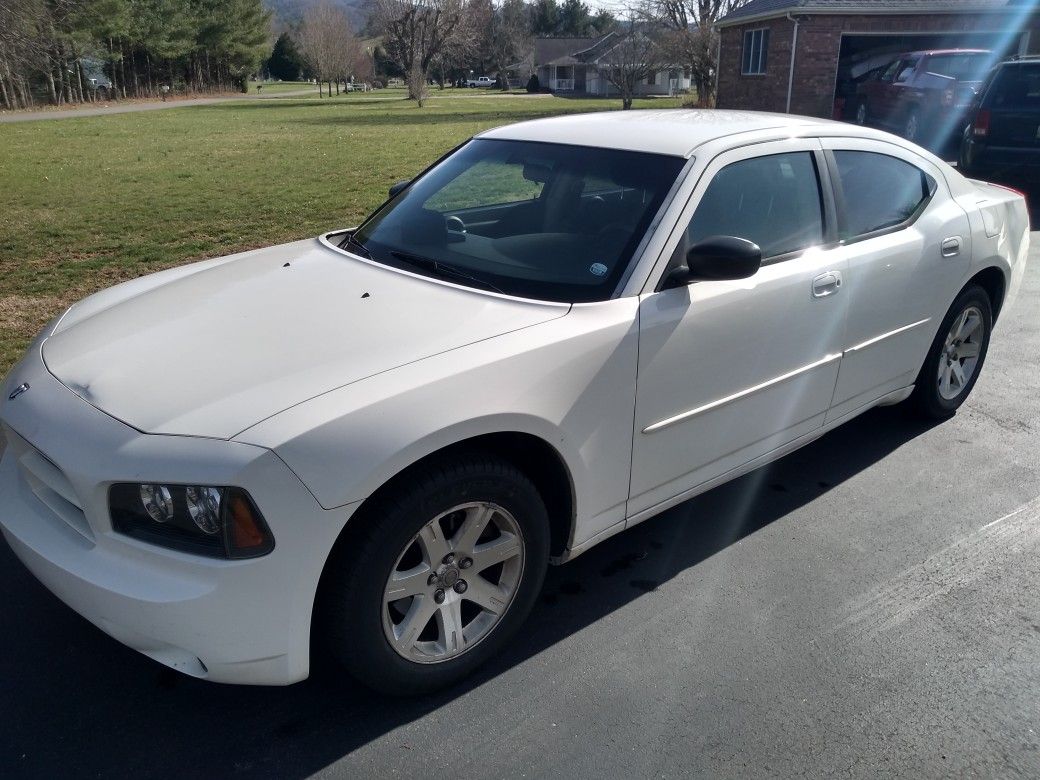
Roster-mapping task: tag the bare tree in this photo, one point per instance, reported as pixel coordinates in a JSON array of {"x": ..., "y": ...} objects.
[
  {"x": 502, "y": 34},
  {"x": 418, "y": 32},
  {"x": 693, "y": 39},
  {"x": 636, "y": 52},
  {"x": 328, "y": 44}
]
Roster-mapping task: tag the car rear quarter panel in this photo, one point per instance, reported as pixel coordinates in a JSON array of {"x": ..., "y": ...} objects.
[{"x": 570, "y": 381}]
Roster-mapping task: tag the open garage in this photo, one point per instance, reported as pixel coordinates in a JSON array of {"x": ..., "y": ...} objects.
[{"x": 808, "y": 54}]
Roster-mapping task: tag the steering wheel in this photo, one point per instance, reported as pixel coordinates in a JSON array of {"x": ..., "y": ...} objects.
[{"x": 455, "y": 225}]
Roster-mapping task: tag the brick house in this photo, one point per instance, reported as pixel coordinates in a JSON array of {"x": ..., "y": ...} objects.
[{"x": 835, "y": 41}]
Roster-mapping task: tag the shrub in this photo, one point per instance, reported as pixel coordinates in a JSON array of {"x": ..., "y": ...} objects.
[{"x": 533, "y": 84}]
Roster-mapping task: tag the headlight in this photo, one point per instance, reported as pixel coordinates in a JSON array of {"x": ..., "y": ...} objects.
[{"x": 221, "y": 522}]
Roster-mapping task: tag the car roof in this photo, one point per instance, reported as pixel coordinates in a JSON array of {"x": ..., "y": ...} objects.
[{"x": 673, "y": 131}]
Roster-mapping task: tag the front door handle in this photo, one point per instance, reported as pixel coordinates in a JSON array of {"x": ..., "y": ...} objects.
[
  {"x": 826, "y": 284},
  {"x": 951, "y": 247}
]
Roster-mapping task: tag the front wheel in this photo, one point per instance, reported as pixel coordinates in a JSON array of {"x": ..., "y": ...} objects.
[
  {"x": 956, "y": 355},
  {"x": 444, "y": 573}
]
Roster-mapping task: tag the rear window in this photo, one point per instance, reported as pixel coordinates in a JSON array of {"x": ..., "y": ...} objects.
[
  {"x": 1016, "y": 87},
  {"x": 962, "y": 67}
]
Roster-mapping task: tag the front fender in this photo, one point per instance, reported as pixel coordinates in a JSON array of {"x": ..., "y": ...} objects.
[{"x": 569, "y": 382}]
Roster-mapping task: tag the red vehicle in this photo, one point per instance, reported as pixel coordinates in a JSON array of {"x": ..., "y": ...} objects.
[{"x": 924, "y": 96}]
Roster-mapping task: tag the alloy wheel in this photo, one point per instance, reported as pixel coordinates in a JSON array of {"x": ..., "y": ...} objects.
[
  {"x": 959, "y": 355},
  {"x": 453, "y": 582}
]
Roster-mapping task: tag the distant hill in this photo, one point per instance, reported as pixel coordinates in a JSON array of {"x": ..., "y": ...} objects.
[{"x": 291, "y": 11}]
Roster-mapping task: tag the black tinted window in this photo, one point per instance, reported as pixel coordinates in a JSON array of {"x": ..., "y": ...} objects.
[
  {"x": 773, "y": 201},
  {"x": 880, "y": 191},
  {"x": 1016, "y": 87}
]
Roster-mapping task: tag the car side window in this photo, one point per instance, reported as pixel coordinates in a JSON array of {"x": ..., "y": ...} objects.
[
  {"x": 890, "y": 71},
  {"x": 880, "y": 191},
  {"x": 772, "y": 200},
  {"x": 906, "y": 70}
]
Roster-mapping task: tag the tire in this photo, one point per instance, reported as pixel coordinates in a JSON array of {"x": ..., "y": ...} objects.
[
  {"x": 406, "y": 645},
  {"x": 939, "y": 391},
  {"x": 862, "y": 116}
]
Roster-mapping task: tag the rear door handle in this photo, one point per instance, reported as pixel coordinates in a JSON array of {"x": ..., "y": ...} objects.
[
  {"x": 951, "y": 247},
  {"x": 826, "y": 284}
]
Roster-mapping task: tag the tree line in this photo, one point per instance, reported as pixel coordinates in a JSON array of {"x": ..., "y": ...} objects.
[{"x": 66, "y": 51}]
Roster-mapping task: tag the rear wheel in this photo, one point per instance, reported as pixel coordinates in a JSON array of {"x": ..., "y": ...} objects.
[
  {"x": 956, "y": 356},
  {"x": 443, "y": 575}
]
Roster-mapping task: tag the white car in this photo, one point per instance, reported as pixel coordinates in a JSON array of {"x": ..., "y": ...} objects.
[{"x": 380, "y": 437}]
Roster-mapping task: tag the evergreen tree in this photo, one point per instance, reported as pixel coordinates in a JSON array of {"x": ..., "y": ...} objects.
[{"x": 285, "y": 62}]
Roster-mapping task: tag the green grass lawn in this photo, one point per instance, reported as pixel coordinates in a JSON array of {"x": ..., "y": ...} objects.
[
  {"x": 89, "y": 202},
  {"x": 277, "y": 87}
]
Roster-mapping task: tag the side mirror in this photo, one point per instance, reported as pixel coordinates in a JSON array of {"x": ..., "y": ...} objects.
[
  {"x": 715, "y": 259},
  {"x": 396, "y": 188}
]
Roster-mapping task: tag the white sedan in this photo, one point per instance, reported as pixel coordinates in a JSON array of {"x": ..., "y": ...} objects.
[{"x": 380, "y": 437}]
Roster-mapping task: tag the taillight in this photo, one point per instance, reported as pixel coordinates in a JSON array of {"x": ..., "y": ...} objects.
[{"x": 980, "y": 127}]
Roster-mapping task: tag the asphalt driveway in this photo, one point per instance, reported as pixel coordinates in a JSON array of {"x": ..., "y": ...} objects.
[{"x": 869, "y": 605}]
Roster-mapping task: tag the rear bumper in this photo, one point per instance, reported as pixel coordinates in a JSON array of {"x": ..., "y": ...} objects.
[
  {"x": 227, "y": 621},
  {"x": 976, "y": 155}
]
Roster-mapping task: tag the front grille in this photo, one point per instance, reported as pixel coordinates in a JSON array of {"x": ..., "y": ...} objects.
[{"x": 50, "y": 485}]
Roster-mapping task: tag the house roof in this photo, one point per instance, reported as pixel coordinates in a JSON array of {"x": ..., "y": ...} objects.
[
  {"x": 764, "y": 9},
  {"x": 552, "y": 51}
]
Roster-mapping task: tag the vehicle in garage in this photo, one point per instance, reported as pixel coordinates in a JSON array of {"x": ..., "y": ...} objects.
[
  {"x": 923, "y": 95},
  {"x": 379, "y": 438},
  {"x": 1004, "y": 129}
]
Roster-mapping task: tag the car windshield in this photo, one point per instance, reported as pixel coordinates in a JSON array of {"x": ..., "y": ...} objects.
[
  {"x": 535, "y": 220},
  {"x": 1016, "y": 87},
  {"x": 962, "y": 67}
]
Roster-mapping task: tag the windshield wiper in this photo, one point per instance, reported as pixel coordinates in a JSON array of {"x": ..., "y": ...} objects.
[
  {"x": 355, "y": 246},
  {"x": 443, "y": 269}
]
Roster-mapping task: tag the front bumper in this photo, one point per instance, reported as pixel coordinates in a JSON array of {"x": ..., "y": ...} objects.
[{"x": 228, "y": 621}]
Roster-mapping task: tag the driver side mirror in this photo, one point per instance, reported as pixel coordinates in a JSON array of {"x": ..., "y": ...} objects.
[
  {"x": 717, "y": 258},
  {"x": 396, "y": 188}
]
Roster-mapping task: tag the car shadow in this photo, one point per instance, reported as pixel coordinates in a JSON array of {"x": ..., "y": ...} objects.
[{"x": 76, "y": 699}]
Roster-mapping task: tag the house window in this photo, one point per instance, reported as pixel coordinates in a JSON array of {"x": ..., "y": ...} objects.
[
  {"x": 651, "y": 77},
  {"x": 756, "y": 49}
]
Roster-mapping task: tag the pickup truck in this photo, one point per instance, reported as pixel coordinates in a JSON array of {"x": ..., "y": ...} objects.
[
  {"x": 480, "y": 81},
  {"x": 924, "y": 96}
]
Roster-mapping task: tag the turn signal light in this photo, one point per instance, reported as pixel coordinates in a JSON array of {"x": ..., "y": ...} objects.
[{"x": 247, "y": 532}]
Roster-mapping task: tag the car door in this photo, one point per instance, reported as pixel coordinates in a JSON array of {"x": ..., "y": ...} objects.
[
  {"x": 908, "y": 246},
  {"x": 731, "y": 370}
]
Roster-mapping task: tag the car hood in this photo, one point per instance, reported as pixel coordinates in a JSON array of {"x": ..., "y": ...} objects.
[{"x": 211, "y": 352}]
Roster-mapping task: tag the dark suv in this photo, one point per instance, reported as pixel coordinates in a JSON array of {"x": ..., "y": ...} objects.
[
  {"x": 924, "y": 95},
  {"x": 1004, "y": 131}
]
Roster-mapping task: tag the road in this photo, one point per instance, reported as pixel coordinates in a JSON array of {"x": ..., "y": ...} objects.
[
  {"x": 868, "y": 605},
  {"x": 132, "y": 107}
]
